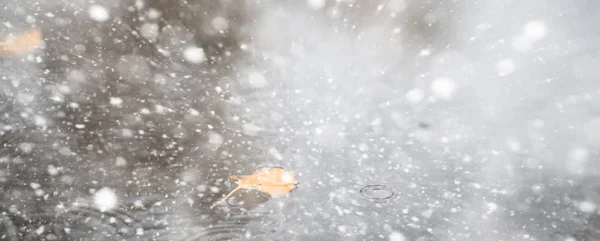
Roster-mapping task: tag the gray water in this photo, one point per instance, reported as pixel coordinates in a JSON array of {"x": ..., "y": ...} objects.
[{"x": 403, "y": 120}]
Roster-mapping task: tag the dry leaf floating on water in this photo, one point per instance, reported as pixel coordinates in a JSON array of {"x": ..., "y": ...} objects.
[
  {"x": 21, "y": 43},
  {"x": 273, "y": 181}
]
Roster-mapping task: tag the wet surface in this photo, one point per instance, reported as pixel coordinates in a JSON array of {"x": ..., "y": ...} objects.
[{"x": 402, "y": 120}]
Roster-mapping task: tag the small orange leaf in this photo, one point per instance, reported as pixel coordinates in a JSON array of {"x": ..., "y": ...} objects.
[
  {"x": 22, "y": 43},
  {"x": 270, "y": 180}
]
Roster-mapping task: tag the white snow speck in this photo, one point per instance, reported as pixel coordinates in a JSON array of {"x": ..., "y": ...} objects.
[
  {"x": 40, "y": 230},
  {"x": 316, "y": 4},
  {"x": 275, "y": 154},
  {"x": 318, "y": 131},
  {"x": 424, "y": 52},
  {"x": 105, "y": 199},
  {"x": 39, "y": 192},
  {"x": 427, "y": 213},
  {"x": 52, "y": 170},
  {"x": 139, "y": 4},
  {"x": 396, "y": 236},
  {"x": 64, "y": 89},
  {"x": 153, "y": 13},
  {"x": 40, "y": 120},
  {"x": 215, "y": 138},
  {"x": 250, "y": 129},
  {"x": 287, "y": 177},
  {"x": 120, "y": 161},
  {"x": 35, "y": 185},
  {"x": 415, "y": 96},
  {"x": 219, "y": 23},
  {"x": 577, "y": 159},
  {"x": 194, "y": 112},
  {"x": 257, "y": 80},
  {"x": 26, "y": 147},
  {"x": 58, "y": 97},
  {"x": 127, "y": 133},
  {"x": 138, "y": 204},
  {"x": 443, "y": 88},
  {"x": 149, "y": 31},
  {"x": 194, "y": 55},
  {"x": 65, "y": 151},
  {"x": 505, "y": 67},
  {"x": 99, "y": 13},
  {"x": 79, "y": 126},
  {"x": 492, "y": 207},
  {"x": 115, "y": 101},
  {"x": 535, "y": 30},
  {"x": 513, "y": 145},
  {"x": 532, "y": 32},
  {"x": 30, "y": 19},
  {"x": 586, "y": 206},
  {"x": 160, "y": 109}
]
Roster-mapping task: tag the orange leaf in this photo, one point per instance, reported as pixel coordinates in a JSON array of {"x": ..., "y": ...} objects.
[
  {"x": 270, "y": 180},
  {"x": 22, "y": 43}
]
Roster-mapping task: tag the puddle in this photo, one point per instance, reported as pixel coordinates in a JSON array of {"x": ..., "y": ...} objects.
[{"x": 152, "y": 96}]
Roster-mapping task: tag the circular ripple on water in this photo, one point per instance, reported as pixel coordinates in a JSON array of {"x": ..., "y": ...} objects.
[
  {"x": 231, "y": 226},
  {"x": 84, "y": 220},
  {"x": 377, "y": 193},
  {"x": 81, "y": 221},
  {"x": 234, "y": 202}
]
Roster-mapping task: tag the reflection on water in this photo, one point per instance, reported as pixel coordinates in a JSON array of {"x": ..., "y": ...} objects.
[{"x": 403, "y": 120}]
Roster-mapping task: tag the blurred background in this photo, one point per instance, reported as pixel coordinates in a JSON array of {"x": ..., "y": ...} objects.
[{"x": 403, "y": 120}]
